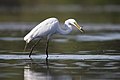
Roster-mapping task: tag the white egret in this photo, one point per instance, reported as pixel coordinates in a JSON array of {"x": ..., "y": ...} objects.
[{"x": 49, "y": 27}]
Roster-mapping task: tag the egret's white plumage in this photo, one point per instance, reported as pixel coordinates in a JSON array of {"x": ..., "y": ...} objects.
[
  {"x": 45, "y": 28},
  {"x": 50, "y": 26}
]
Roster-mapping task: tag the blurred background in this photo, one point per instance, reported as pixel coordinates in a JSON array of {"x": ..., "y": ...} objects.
[{"x": 86, "y": 11}]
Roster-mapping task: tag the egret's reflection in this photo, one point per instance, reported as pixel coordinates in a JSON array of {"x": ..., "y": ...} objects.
[
  {"x": 33, "y": 72},
  {"x": 36, "y": 70}
]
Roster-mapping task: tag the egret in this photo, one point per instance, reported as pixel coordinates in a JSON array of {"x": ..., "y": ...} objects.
[{"x": 47, "y": 28}]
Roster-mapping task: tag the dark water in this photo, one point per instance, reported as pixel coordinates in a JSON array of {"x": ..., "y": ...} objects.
[{"x": 94, "y": 55}]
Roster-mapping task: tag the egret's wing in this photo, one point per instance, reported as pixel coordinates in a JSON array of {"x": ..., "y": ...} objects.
[
  {"x": 43, "y": 29},
  {"x": 47, "y": 27}
]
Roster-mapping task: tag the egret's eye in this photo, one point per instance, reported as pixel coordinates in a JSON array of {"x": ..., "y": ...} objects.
[{"x": 71, "y": 24}]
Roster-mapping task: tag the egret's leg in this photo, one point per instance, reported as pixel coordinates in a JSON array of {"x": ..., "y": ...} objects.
[
  {"x": 46, "y": 50},
  {"x": 33, "y": 47},
  {"x": 25, "y": 46}
]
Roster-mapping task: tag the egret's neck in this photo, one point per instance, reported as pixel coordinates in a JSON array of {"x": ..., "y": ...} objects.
[{"x": 67, "y": 30}]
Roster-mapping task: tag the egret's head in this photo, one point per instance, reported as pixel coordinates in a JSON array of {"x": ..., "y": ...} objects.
[{"x": 72, "y": 22}]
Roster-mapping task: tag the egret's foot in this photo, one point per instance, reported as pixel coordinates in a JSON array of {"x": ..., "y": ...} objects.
[
  {"x": 47, "y": 57},
  {"x": 30, "y": 57}
]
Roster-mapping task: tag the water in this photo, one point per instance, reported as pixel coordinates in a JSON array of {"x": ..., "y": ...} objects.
[{"x": 94, "y": 55}]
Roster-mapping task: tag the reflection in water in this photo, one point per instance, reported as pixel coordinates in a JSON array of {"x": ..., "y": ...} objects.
[
  {"x": 33, "y": 74},
  {"x": 30, "y": 74},
  {"x": 60, "y": 69},
  {"x": 72, "y": 70}
]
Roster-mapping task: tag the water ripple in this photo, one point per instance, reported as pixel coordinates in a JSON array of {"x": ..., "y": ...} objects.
[
  {"x": 11, "y": 38},
  {"x": 99, "y": 37},
  {"x": 63, "y": 57}
]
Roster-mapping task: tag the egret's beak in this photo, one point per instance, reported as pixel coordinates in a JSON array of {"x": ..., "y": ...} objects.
[{"x": 78, "y": 27}]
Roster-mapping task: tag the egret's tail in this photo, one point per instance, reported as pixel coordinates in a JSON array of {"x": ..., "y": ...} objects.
[
  {"x": 27, "y": 38},
  {"x": 25, "y": 46}
]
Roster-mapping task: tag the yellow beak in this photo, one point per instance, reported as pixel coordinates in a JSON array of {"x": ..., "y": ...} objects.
[{"x": 78, "y": 27}]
